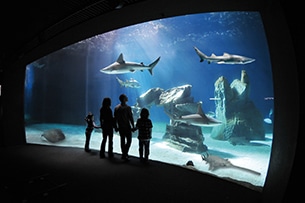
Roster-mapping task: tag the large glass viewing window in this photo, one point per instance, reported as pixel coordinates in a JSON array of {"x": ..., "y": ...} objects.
[{"x": 205, "y": 78}]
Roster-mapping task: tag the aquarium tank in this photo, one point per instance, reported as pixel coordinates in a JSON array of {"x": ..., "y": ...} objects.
[{"x": 206, "y": 79}]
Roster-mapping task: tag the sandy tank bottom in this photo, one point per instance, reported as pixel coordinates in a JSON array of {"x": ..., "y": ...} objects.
[{"x": 255, "y": 157}]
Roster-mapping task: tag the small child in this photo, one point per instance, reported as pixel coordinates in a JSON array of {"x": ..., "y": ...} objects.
[
  {"x": 90, "y": 126},
  {"x": 144, "y": 125}
]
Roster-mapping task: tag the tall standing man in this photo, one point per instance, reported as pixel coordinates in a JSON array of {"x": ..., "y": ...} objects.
[{"x": 124, "y": 124}]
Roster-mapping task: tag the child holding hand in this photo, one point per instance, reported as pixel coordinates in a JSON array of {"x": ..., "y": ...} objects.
[{"x": 144, "y": 127}]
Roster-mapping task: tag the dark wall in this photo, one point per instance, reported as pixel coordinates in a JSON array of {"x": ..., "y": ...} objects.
[
  {"x": 294, "y": 19},
  {"x": 12, "y": 104}
]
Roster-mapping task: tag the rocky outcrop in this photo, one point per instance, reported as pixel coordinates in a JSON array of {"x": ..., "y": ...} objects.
[
  {"x": 177, "y": 100},
  {"x": 150, "y": 98},
  {"x": 242, "y": 121},
  {"x": 176, "y": 95},
  {"x": 187, "y": 138}
]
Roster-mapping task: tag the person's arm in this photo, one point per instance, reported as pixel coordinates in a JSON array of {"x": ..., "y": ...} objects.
[
  {"x": 131, "y": 120},
  {"x": 150, "y": 129},
  {"x": 115, "y": 125},
  {"x": 101, "y": 118},
  {"x": 150, "y": 123},
  {"x": 94, "y": 125},
  {"x": 137, "y": 125}
]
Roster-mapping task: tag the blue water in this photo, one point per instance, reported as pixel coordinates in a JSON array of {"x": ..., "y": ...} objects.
[{"x": 72, "y": 76}]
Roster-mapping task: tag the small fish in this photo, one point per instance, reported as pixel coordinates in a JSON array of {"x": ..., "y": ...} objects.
[
  {"x": 268, "y": 98},
  {"x": 214, "y": 98},
  {"x": 270, "y": 112},
  {"x": 268, "y": 120}
]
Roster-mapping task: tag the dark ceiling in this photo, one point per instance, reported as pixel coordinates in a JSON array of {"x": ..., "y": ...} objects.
[{"x": 26, "y": 25}]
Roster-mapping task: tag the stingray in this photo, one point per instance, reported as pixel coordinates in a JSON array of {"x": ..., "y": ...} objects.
[
  {"x": 53, "y": 135},
  {"x": 216, "y": 162}
]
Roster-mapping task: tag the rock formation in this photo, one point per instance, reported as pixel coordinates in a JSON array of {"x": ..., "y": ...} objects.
[
  {"x": 242, "y": 121},
  {"x": 176, "y": 100}
]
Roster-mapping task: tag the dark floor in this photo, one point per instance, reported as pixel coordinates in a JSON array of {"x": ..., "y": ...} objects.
[{"x": 35, "y": 173}]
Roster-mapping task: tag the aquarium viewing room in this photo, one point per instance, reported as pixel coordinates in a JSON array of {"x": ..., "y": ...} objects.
[{"x": 219, "y": 81}]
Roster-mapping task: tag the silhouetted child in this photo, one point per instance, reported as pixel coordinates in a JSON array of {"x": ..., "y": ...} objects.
[
  {"x": 144, "y": 127},
  {"x": 90, "y": 126}
]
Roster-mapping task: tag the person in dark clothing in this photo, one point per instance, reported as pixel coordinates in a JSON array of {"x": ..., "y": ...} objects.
[
  {"x": 107, "y": 125},
  {"x": 124, "y": 124},
  {"x": 144, "y": 127},
  {"x": 90, "y": 126}
]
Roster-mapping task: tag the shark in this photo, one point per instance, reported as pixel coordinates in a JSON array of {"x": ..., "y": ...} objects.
[
  {"x": 197, "y": 119},
  {"x": 132, "y": 83},
  {"x": 120, "y": 66},
  {"x": 224, "y": 59}
]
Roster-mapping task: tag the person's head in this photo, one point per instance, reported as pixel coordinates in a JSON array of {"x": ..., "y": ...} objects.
[
  {"x": 144, "y": 113},
  {"x": 190, "y": 163},
  {"x": 90, "y": 115},
  {"x": 123, "y": 98},
  {"x": 106, "y": 102}
]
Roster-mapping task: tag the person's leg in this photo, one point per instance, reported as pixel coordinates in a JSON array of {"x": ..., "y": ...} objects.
[
  {"x": 141, "y": 150},
  {"x": 122, "y": 144},
  {"x": 103, "y": 144},
  {"x": 110, "y": 145},
  {"x": 146, "y": 148},
  {"x": 128, "y": 142},
  {"x": 87, "y": 142}
]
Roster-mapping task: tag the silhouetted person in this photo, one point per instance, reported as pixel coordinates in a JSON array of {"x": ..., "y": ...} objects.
[
  {"x": 107, "y": 125},
  {"x": 144, "y": 126},
  {"x": 90, "y": 126},
  {"x": 125, "y": 124}
]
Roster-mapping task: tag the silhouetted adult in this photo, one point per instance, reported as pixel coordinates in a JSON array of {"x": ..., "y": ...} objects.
[
  {"x": 125, "y": 124},
  {"x": 107, "y": 125},
  {"x": 144, "y": 127},
  {"x": 90, "y": 126}
]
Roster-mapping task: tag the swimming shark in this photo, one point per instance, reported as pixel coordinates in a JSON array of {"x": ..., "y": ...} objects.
[
  {"x": 197, "y": 119},
  {"x": 129, "y": 83},
  {"x": 224, "y": 59},
  {"x": 121, "y": 66}
]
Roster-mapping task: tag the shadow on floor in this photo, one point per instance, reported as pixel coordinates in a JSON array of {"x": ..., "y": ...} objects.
[{"x": 36, "y": 173}]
